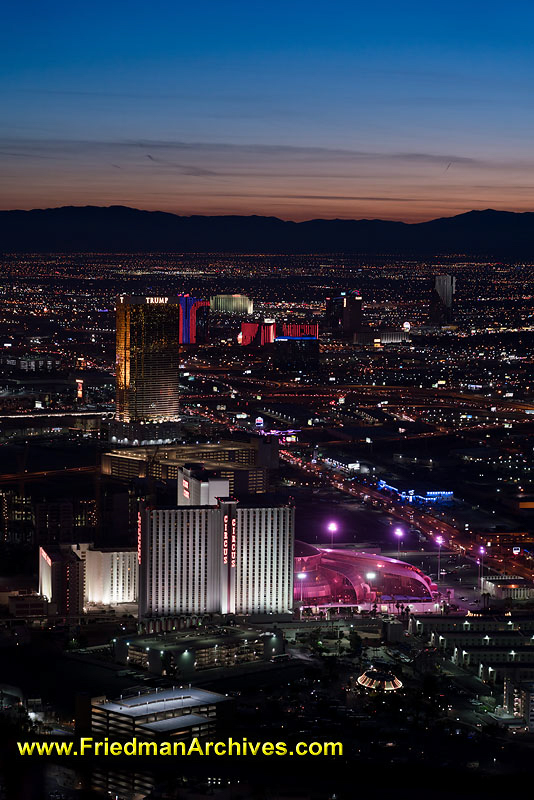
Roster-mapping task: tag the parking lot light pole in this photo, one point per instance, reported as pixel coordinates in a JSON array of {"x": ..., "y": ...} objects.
[{"x": 439, "y": 541}]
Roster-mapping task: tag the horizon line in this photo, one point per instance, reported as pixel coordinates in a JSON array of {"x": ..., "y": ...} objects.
[{"x": 261, "y": 216}]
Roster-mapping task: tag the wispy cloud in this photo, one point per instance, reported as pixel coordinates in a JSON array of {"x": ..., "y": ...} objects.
[
  {"x": 293, "y": 181},
  {"x": 74, "y": 146},
  {"x": 185, "y": 169}
]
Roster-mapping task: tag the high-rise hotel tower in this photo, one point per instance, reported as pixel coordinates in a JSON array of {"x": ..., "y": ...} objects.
[
  {"x": 344, "y": 314},
  {"x": 442, "y": 300},
  {"x": 150, "y": 331},
  {"x": 229, "y": 559}
]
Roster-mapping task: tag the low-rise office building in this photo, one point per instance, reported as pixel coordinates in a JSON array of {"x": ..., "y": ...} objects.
[
  {"x": 473, "y": 655},
  {"x": 503, "y": 587},
  {"x": 449, "y": 640},
  {"x": 180, "y": 655},
  {"x": 519, "y": 700},
  {"x": 29, "y": 605},
  {"x": 425, "y": 624},
  {"x": 491, "y": 646},
  {"x": 498, "y": 671},
  {"x": 165, "y": 461}
]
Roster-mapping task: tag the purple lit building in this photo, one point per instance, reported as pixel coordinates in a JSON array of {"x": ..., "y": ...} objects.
[{"x": 350, "y": 577}]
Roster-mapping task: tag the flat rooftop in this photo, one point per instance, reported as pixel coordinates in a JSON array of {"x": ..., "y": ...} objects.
[
  {"x": 173, "y": 641},
  {"x": 61, "y": 554},
  {"x": 210, "y": 467},
  {"x": 526, "y": 616},
  {"x": 177, "y": 452},
  {"x": 245, "y": 501},
  {"x": 498, "y": 648},
  {"x": 491, "y": 634},
  {"x": 140, "y": 705}
]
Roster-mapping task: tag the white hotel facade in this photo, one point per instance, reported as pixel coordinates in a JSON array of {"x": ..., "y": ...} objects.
[{"x": 228, "y": 559}]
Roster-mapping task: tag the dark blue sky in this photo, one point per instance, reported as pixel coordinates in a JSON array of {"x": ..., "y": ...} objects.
[{"x": 400, "y": 110}]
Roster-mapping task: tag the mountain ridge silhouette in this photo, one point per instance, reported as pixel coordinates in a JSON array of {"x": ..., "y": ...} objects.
[{"x": 77, "y": 229}]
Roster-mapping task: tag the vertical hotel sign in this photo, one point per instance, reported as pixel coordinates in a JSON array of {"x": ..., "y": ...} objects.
[
  {"x": 229, "y": 541},
  {"x": 225, "y": 539},
  {"x": 139, "y": 536},
  {"x": 229, "y": 558},
  {"x": 233, "y": 544}
]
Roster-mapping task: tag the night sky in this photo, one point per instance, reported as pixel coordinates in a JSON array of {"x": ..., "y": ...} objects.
[{"x": 296, "y": 109}]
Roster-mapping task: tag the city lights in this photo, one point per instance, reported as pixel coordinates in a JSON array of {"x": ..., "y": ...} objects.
[{"x": 266, "y": 310}]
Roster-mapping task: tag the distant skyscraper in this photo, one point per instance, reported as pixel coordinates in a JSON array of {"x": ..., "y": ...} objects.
[
  {"x": 194, "y": 317},
  {"x": 294, "y": 329},
  {"x": 232, "y": 304},
  {"x": 228, "y": 559},
  {"x": 344, "y": 314},
  {"x": 148, "y": 358},
  {"x": 442, "y": 300},
  {"x": 149, "y": 333},
  {"x": 257, "y": 333}
]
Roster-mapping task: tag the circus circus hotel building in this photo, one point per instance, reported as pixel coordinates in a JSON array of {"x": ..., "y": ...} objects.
[{"x": 346, "y": 577}]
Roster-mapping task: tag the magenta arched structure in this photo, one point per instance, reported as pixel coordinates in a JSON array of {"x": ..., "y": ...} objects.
[{"x": 347, "y": 577}]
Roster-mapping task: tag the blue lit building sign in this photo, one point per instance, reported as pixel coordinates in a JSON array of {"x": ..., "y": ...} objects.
[{"x": 410, "y": 496}]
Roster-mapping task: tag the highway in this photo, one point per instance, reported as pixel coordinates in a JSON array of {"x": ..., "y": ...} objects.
[
  {"x": 430, "y": 526},
  {"x": 25, "y": 477}
]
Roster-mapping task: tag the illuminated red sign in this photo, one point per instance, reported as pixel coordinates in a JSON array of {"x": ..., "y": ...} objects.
[
  {"x": 139, "y": 537},
  {"x": 46, "y": 557},
  {"x": 233, "y": 548},
  {"x": 185, "y": 487}
]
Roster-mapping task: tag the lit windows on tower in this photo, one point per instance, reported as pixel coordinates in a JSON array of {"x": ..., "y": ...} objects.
[{"x": 150, "y": 331}]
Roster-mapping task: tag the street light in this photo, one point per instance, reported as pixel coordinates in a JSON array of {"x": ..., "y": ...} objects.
[
  {"x": 439, "y": 542},
  {"x": 482, "y": 551},
  {"x": 302, "y": 577},
  {"x": 399, "y": 533},
  {"x": 332, "y": 527}
]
